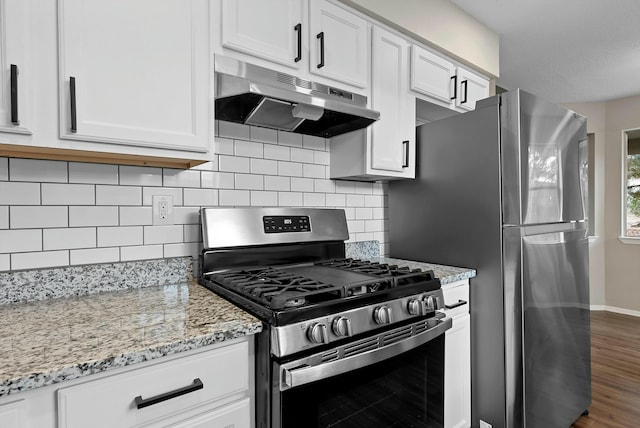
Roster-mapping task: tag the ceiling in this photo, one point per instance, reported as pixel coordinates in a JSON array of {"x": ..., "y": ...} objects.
[{"x": 566, "y": 50}]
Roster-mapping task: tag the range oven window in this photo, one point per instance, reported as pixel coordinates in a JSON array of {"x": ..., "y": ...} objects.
[{"x": 404, "y": 391}]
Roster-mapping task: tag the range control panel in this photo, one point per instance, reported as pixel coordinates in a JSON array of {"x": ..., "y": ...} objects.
[{"x": 281, "y": 223}]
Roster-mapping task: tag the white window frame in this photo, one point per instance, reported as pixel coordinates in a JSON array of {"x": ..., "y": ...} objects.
[{"x": 623, "y": 188}]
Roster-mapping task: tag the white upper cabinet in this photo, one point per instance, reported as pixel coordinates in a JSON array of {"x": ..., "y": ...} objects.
[
  {"x": 15, "y": 80},
  {"x": 471, "y": 88},
  {"x": 135, "y": 72},
  {"x": 338, "y": 43},
  {"x": 432, "y": 75},
  {"x": 393, "y": 136},
  {"x": 272, "y": 29}
]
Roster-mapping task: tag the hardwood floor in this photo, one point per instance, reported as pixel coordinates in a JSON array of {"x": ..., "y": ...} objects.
[{"x": 615, "y": 372}]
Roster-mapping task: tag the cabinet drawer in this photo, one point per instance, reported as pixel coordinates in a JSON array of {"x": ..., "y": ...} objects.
[
  {"x": 235, "y": 415},
  {"x": 111, "y": 402},
  {"x": 454, "y": 296}
]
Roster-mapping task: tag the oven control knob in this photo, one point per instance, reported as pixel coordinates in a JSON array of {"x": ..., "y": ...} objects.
[
  {"x": 317, "y": 333},
  {"x": 431, "y": 302},
  {"x": 382, "y": 315},
  {"x": 417, "y": 307},
  {"x": 342, "y": 326}
]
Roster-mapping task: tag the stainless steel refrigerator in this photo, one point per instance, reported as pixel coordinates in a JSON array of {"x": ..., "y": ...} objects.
[{"x": 502, "y": 189}]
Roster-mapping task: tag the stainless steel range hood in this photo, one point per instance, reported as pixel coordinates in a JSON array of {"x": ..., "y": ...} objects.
[{"x": 253, "y": 95}]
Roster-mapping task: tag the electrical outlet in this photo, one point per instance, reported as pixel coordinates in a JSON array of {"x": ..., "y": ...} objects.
[
  {"x": 162, "y": 209},
  {"x": 484, "y": 424}
]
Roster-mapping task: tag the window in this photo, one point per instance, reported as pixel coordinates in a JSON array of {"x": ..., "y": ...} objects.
[{"x": 631, "y": 184}]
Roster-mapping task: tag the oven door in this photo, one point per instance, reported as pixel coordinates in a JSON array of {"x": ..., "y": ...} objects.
[{"x": 391, "y": 379}]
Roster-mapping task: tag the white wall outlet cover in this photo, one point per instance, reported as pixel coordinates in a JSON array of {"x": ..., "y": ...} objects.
[{"x": 162, "y": 209}]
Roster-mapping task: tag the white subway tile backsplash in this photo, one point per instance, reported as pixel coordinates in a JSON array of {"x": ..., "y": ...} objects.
[
  {"x": 289, "y": 199},
  {"x": 68, "y": 238},
  {"x": 249, "y": 182},
  {"x": 163, "y": 234},
  {"x": 149, "y": 192},
  {"x": 234, "y": 198},
  {"x": 363, "y": 236},
  {"x": 321, "y": 158},
  {"x": 355, "y": 226},
  {"x": 379, "y": 188},
  {"x": 39, "y": 260},
  {"x": 364, "y": 188},
  {"x": 323, "y": 185},
  {"x": 68, "y": 194},
  {"x": 272, "y": 151},
  {"x": 336, "y": 200},
  {"x": 313, "y": 171},
  {"x": 312, "y": 142},
  {"x": 234, "y": 130},
  {"x": 120, "y": 236},
  {"x": 93, "y": 216},
  {"x": 118, "y": 195},
  {"x": 94, "y": 255},
  {"x": 140, "y": 176},
  {"x": 4, "y": 169},
  {"x": 364, "y": 213},
  {"x": 136, "y": 216},
  {"x": 218, "y": 180},
  {"x": 302, "y": 155},
  {"x": 93, "y": 173},
  {"x": 355, "y": 200},
  {"x": 233, "y": 164},
  {"x": 4, "y": 217},
  {"x": 263, "y": 135},
  {"x": 248, "y": 149},
  {"x": 314, "y": 200},
  {"x": 19, "y": 193},
  {"x": 180, "y": 178},
  {"x": 345, "y": 186},
  {"x": 32, "y": 217},
  {"x": 264, "y": 199},
  {"x": 374, "y": 200},
  {"x": 37, "y": 170},
  {"x": 374, "y": 225},
  {"x": 378, "y": 213},
  {"x": 301, "y": 184},
  {"x": 192, "y": 233},
  {"x": 224, "y": 146},
  {"x": 182, "y": 250},
  {"x": 264, "y": 166},
  {"x": 200, "y": 197},
  {"x": 17, "y": 241},
  {"x": 5, "y": 262},
  {"x": 207, "y": 166},
  {"x": 289, "y": 169},
  {"x": 277, "y": 183},
  {"x": 141, "y": 252},
  {"x": 186, "y": 215},
  {"x": 350, "y": 213},
  {"x": 289, "y": 139}
]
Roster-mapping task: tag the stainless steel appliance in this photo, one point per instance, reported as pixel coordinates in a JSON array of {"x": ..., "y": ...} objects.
[
  {"x": 253, "y": 95},
  {"x": 345, "y": 342},
  {"x": 502, "y": 189}
]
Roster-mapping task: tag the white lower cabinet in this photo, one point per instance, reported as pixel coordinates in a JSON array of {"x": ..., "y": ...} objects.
[
  {"x": 457, "y": 374},
  {"x": 12, "y": 414}
]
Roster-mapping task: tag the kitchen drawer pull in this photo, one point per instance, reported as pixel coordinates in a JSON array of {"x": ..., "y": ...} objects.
[
  {"x": 466, "y": 86},
  {"x": 146, "y": 402},
  {"x": 455, "y": 87},
  {"x": 455, "y": 305},
  {"x": 72, "y": 95},
  {"x": 14, "y": 95},
  {"x": 405, "y": 164},
  {"x": 298, "y": 29},
  {"x": 321, "y": 37}
]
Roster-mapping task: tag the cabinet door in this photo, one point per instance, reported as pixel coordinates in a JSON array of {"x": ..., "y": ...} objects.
[
  {"x": 338, "y": 44},
  {"x": 432, "y": 75},
  {"x": 12, "y": 415},
  {"x": 471, "y": 88},
  {"x": 457, "y": 374},
  {"x": 272, "y": 29},
  {"x": 235, "y": 415},
  {"x": 15, "y": 82},
  {"x": 393, "y": 136},
  {"x": 139, "y": 69}
]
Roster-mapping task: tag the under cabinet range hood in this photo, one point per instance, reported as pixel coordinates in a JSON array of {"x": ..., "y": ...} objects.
[{"x": 253, "y": 95}]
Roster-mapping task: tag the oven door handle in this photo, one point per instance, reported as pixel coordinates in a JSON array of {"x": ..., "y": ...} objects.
[{"x": 297, "y": 373}]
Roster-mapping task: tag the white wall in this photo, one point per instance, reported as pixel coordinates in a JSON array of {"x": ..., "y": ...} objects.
[{"x": 56, "y": 213}]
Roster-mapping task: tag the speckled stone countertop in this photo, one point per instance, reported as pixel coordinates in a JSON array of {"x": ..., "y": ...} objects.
[
  {"x": 447, "y": 274},
  {"x": 52, "y": 340}
]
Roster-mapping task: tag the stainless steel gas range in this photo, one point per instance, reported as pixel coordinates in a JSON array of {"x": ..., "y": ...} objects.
[{"x": 346, "y": 343}]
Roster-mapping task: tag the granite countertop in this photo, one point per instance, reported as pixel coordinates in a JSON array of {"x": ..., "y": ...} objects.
[
  {"x": 53, "y": 340},
  {"x": 447, "y": 274}
]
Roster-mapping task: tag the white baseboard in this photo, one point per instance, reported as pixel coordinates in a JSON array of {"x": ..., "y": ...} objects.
[{"x": 616, "y": 310}]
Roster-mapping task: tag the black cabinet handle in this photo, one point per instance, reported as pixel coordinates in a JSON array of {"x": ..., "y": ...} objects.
[
  {"x": 72, "y": 95},
  {"x": 466, "y": 86},
  {"x": 455, "y": 305},
  {"x": 298, "y": 29},
  {"x": 14, "y": 95},
  {"x": 321, "y": 37},
  {"x": 146, "y": 402},
  {"x": 405, "y": 143},
  {"x": 455, "y": 87}
]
